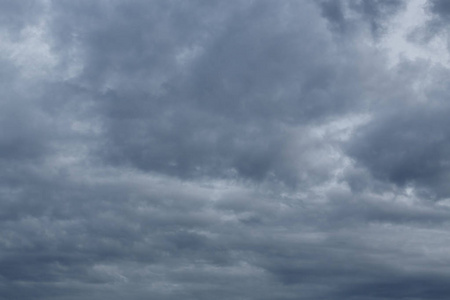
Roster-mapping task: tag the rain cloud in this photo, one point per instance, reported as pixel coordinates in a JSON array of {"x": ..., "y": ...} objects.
[{"x": 223, "y": 150}]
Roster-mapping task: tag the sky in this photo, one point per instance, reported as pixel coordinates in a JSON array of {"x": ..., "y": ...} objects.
[{"x": 238, "y": 150}]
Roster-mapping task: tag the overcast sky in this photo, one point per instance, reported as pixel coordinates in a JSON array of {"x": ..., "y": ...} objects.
[{"x": 229, "y": 150}]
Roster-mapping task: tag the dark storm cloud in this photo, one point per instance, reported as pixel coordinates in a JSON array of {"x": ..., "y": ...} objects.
[
  {"x": 210, "y": 91},
  {"x": 408, "y": 144},
  {"x": 213, "y": 149},
  {"x": 439, "y": 7},
  {"x": 173, "y": 236}
]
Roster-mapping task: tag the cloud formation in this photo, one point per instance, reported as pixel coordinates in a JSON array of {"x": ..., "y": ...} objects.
[{"x": 226, "y": 150}]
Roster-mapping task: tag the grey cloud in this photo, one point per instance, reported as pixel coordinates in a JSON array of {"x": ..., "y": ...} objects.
[
  {"x": 172, "y": 240},
  {"x": 341, "y": 14},
  {"x": 15, "y": 15},
  {"x": 439, "y": 7},
  {"x": 118, "y": 233},
  {"x": 409, "y": 147},
  {"x": 408, "y": 144},
  {"x": 219, "y": 89},
  {"x": 212, "y": 149},
  {"x": 21, "y": 126},
  {"x": 436, "y": 25},
  {"x": 425, "y": 287}
]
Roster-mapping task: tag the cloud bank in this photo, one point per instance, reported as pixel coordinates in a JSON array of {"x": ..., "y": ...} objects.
[{"x": 223, "y": 150}]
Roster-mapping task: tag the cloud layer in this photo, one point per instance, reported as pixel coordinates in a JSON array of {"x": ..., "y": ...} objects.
[{"x": 222, "y": 150}]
